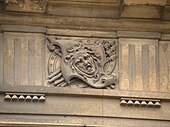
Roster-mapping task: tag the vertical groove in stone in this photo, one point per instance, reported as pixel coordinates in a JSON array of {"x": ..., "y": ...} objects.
[
  {"x": 38, "y": 60},
  {"x": 132, "y": 65},
  {"x": 46, "y": 57},
  {"x": 145, "y": 67},
  {"x": 164, "y": 65},
  {"x": 8, "y": 59},
  {"x": 24, "y": 62},
  {"x": 43, "y": 60},
  {"x": 152, "y": 68},
  {"x": 138, "y": 80},
  {"x": 1, "y": 60},
  {"x": 120, "y": 65},
  {"x": 123, "y": 65},
  {"x": 31, "y": 60},
  {"x": 17, "y": 61},
  {"x": 157, "y": 66}
]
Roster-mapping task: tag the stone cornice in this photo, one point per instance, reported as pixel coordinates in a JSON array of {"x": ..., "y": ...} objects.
[
  {"x": 85, "y": 23},
  {"x": 84, "y": 92}
]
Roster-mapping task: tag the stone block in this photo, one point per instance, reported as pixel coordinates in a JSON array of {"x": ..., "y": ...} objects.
[{"x": 37, "y": 6}]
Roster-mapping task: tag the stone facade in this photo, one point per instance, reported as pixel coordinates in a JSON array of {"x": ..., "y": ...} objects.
[{"x": 90, "y": 63}]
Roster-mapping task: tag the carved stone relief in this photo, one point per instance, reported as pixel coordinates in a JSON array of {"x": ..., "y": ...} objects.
[
  {"x": 26, "y": 5},
  {"x": 90, "y": 61}
]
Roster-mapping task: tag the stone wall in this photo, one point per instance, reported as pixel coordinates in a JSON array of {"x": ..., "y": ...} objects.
[
  {"x": 85, "y": 63},
  {"x": 142, "y": 62}
]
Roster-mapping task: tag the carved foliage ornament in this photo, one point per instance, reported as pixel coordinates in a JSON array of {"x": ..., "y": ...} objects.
[{"x": 91, "y": 61}]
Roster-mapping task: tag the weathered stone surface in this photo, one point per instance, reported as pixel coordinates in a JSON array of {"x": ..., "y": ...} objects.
[
  {"x": 164, "y": 56},
  {"x": 82, "y": 33},
  {"x": 1, "y": 59},
  {"x": 138, "y": 64},
  {"x": 26, "y": 99},
  {"x": 84, "y": 105},
  {"x": 168, "y": 2},
  {"x": 141, "y": 11},
  {"x": 146, "y": 2},
  {"x": 37, "y": 6},
  {"x": 95, "y": 9},
  {"x": 23, "y": 58},
  {"x": 166, "y": 13},
  {"x": 22, "y": 28},
  {"x": 165, "y": 37},
  {"x": 77, "y": 23},
  {"x": 151, "y": 9},
  {"x": 137, "y": 34},
  {"x": 91, "y": 61},
  {"x": 1, "y": 5}
]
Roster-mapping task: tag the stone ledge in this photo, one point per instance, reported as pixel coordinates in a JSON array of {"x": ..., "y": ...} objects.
[
  {"x": 148, "y": 2},
  {"x": 77, "y": 103},
  {"x": 165, "y": 37},
  {"x": 84, "y": 92},
  {"x": 81, "y": 33},
  {"x": 23, "y": 28},
  {"x": 78, "y": 23},
  {"x": 51, "y": 121},
  {"x": 136, "y": 34}
]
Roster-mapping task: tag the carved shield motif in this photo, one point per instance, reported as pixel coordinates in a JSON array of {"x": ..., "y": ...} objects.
[{"x": 91, "y": 61}]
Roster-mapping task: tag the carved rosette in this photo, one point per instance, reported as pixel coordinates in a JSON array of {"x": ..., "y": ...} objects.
[{"x": 90, "y": 61}]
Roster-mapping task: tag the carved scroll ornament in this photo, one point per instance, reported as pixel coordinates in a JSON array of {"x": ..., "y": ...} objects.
[{"x": 92, "y": 62}]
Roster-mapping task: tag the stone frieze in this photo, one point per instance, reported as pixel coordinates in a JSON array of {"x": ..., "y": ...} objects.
[{"x": 90, "y": 61}]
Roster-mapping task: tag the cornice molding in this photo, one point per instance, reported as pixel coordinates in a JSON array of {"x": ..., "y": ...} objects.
[
  {"x": 78, "y": 23},
  {"x": 84, "y": 92}
]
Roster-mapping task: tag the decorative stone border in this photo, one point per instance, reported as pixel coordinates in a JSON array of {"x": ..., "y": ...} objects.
[
  {"x": 140, "y": 102},
  {"x": 28, "y": 97}
]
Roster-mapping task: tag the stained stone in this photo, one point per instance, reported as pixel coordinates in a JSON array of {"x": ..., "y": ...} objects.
[
  {"x": 42, "y": 99},
  {"x": 21, "y": 98},
  {"x": 143, "y": 103},
  {"x": 7, "y": 98},
  {"x": 150, "y": 104},
  {"x": 35, "y": 99},
  {"x": 28, "y": 98},
  {"x": 96, "y": 45},
  {"x": 14, "y": 98},
  {"x": 130, "y": 103},
  {"x": 157, "y": 105},
  {"x": 123, "y": 102},
  {"x": 136, "y": 103}
]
